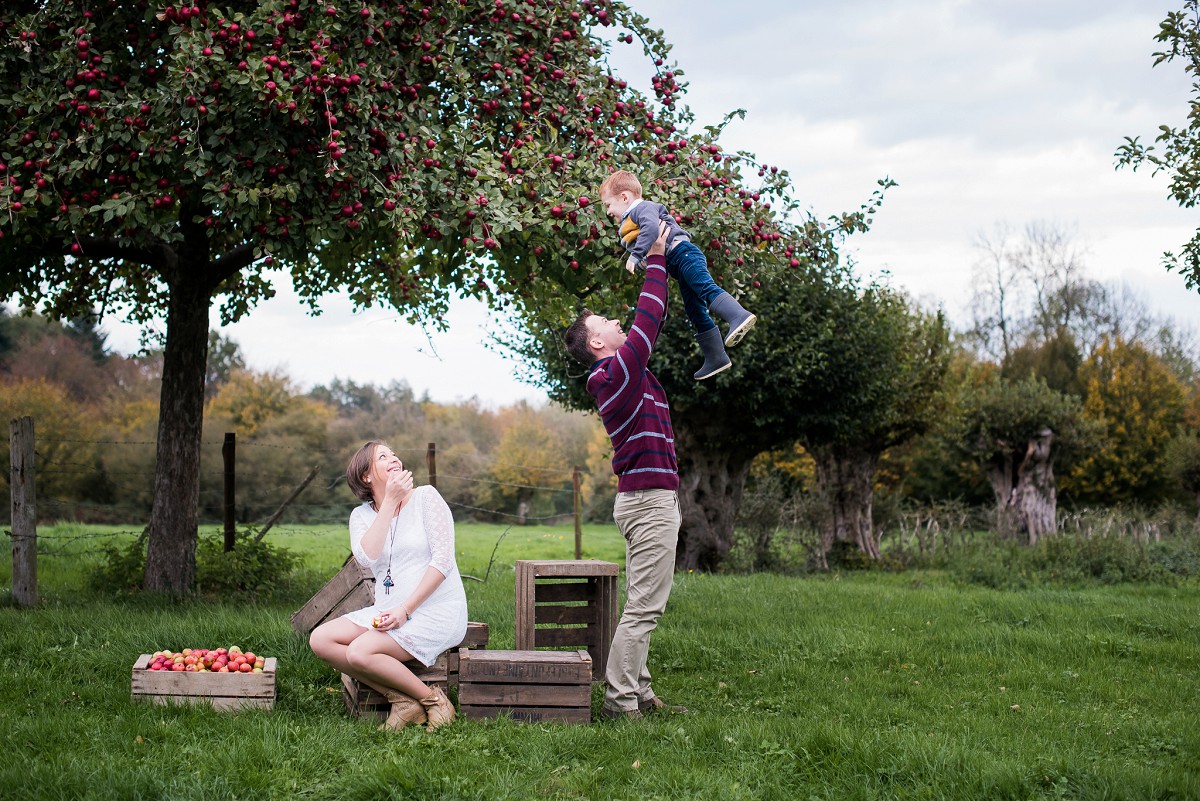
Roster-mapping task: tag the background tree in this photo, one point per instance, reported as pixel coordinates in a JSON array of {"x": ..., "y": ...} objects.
[
  {"x": 158, "y": 161},
  {"x": 1174, "y": 150},
  {"x": 876, "y": 384},
  {"x": 65, "y": 450},
  {"x": 248, "y": 400},
  {"x": 1182, "y": 460},
  {"x": 1017, "y": 430},
  {"x": 1055, "y": 359},
  {"x": 1137, "y": 405},
  {"x": 224, "y": 359},
  {"x": 1036, "y": 312},
  {"x": 530, "y": 468}
]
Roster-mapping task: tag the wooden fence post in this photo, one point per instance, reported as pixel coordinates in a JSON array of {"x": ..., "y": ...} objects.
[
  {"x": 24, "y": 512},
  {"x": 431, "y": 463},
  {"x": 228, "y": 451},
  {"x": 578, "y": 519}
]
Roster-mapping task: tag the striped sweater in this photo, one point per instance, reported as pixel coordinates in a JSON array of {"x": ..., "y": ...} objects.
[{"x": 632, "y": 403}]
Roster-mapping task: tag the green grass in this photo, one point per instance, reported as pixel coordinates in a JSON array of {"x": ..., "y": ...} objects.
[{"x": 847, "y": 686}]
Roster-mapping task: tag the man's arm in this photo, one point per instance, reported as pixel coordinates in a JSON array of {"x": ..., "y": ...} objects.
[
  {"x": 618, "y": 385},
  {"x": 651, "y": 307}
]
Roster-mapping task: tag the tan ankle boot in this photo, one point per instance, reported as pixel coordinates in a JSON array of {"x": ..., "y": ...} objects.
[
  {"x": 438, "y": 708},
  {"x": 405, "y": 710}
]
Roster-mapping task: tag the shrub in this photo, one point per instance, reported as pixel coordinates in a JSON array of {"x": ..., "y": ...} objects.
[{"x": 252, "y": 568}]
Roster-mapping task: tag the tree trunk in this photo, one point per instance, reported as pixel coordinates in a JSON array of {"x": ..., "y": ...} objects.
[
  {"x": 1002, "y": 475},
  {"x": 171, "y": 558},
  {"x": 1026, "y": 498},
  {"x": 1034, "y": 497},
  {"x": 846, "y": 479},
  {"x": 711, "y": 481}
]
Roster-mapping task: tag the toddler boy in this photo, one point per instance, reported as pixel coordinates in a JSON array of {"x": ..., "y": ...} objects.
[{"x": 638, "y": 221}]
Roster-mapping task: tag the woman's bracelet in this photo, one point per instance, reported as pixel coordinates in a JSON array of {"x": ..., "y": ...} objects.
[{"x": 407, "y": 615}]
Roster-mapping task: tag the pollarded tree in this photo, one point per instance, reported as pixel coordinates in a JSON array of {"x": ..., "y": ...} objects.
[
  {"x": 156, "y": 159},
  {"x": 849, "y": 371},
  {"x": 1174, "y": 150},
  {"x": 1017, "y": 430},
  {"x": 880, "y": 384}
]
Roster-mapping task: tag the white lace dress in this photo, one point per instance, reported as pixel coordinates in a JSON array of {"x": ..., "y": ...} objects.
[{"x": 420, "y": 536}]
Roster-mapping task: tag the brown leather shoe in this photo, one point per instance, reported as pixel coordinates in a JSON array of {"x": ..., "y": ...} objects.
[
  {"x": 620, "y": 714},
  {"x": 438, "y": 709},
  {"x": 405, "y": 710},
  {"x": 656, "y": 706}
]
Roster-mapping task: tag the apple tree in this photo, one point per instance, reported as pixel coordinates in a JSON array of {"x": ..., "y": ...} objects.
[
  {"x": 157, "y": 159},
  {"x": 1174, "y": 149}
]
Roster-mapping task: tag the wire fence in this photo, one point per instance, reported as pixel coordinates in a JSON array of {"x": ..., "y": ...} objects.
[
  {"x": 120, "y": 488},
  {"x": 133, "y": 487}
]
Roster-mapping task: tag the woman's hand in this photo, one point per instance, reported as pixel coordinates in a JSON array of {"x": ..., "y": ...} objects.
[
  {"x": 391, "y": 619},
  {"x": 399, "y": 487}
]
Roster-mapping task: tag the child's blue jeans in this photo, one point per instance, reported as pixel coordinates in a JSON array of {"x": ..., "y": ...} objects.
[{"x": 687, "y": 265}]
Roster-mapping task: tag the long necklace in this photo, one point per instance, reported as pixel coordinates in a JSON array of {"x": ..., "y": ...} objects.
[{"x": 387, "y": 580}]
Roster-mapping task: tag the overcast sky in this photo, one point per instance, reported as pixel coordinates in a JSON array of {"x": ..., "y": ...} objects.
[{"x": 984, "y": 112}]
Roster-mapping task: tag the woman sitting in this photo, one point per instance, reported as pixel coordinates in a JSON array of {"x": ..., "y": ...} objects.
[{"x": 405, "y": 536}]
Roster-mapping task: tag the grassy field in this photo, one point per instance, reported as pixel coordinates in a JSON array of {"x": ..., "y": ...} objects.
[{"x": 845, "y": 686}]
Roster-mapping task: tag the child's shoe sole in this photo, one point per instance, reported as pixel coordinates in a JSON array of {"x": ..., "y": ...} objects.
[
  {"x": 720, "y": 369},
  {"x": 736, "y": 334}
]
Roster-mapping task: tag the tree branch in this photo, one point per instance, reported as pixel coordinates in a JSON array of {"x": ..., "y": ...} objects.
[
  {"x": 228, "y": 264},
  {"x": 99, "y": 248}
]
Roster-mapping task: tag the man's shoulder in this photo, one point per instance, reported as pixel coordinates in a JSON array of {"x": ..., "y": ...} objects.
[{"x": 598, "y": 367}]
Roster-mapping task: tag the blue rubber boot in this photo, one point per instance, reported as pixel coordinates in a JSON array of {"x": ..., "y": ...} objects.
[
  {"x": 740, "y": 321},
  {"x": 715, "y": 358}
]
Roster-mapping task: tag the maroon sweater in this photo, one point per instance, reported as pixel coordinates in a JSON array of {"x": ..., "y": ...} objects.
[{"x": 632, "y": 403}]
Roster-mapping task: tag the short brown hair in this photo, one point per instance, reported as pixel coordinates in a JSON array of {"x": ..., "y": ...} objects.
[
  {"x": 578, "y": 336},
  {"x": 621, "y": 181},
  {"x": 360, "y": 465}
]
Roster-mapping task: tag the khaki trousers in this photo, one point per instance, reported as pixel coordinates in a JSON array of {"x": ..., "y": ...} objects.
[{"x": 649, "y": 520}]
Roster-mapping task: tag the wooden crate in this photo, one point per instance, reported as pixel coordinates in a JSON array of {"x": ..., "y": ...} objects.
[
  {"x": 364, "y": 701},
  {"x": 352, "y": 588},
  {"x": 224, "y": 691},
  {"x": 567, "y": 604},
  {"x": 532, "y": 686}
]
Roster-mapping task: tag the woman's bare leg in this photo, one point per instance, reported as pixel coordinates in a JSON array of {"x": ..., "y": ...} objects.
[
  {"x": 376, "y": 658},
  {"x": 376, "y": 664}
]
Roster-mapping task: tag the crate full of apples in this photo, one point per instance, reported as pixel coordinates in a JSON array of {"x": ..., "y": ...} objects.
[{"x": 226, "y": 678}]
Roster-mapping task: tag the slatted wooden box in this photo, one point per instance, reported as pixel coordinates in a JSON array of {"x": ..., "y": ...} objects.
[
  {"x": 567, "y": 604},
  {"x": 533, "y": 686},
  {"x": 364, "y": 701},
  {"x": 352, "y": 588},
  {"x": 224, "y": 691}
]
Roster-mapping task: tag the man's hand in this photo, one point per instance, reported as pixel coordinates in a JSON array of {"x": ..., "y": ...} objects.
[{"x": 660, "y": 245}]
